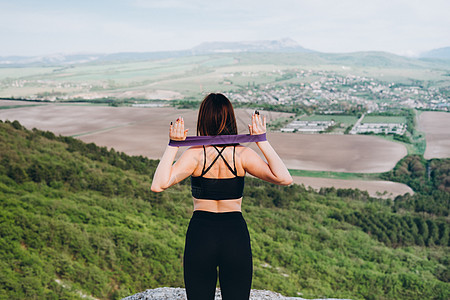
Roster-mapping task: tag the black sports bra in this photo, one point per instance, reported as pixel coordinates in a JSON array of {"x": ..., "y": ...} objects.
[{"x": 217, "y": 188}]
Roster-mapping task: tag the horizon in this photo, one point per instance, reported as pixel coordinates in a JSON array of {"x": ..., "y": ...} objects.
[
  {"x": 397, "y": 26},
  {"x": 408, "y": 55}
]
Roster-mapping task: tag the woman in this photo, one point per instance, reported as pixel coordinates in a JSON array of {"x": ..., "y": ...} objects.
[{"x": 217, "y": 235}]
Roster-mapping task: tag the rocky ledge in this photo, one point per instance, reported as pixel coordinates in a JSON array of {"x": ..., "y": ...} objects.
[{"x": 166, "y": 293}]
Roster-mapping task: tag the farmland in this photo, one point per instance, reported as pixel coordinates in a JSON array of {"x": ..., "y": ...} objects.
[
  {"x": 436, "y": 126},
  {"x": 375, "y": 188},
  {"x": 309, "y": 87},
  {"x": 143, "y": 131},
  {"x": 314, "y": 81}
]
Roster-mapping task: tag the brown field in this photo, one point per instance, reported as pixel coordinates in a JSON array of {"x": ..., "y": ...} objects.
[
  {"x": 135, "y": 131},
  {"x": 339, "y": 153},
  {"x": 144, "y": 131},
  {"x": 130, "y": 93},
  {"x": 382, "y": 189},
  {"x": 14, "y": 103},
  {"x": 436, "y": 126}
]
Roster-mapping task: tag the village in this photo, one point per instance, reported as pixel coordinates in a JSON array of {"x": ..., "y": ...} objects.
[
  {"x": 325, "y": 90},
  {"x": 329, "y": 94},
  {"x": 314, "y": 92}
]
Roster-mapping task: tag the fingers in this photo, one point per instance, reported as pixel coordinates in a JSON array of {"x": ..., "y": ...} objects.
[
  {"x": 258, "y": 125},
  {"x": 177, "y": 131},
  {"x": 253, "y": 128},
  {"x": 171, "y": 130},
  {"x": 180, "y": 127}
]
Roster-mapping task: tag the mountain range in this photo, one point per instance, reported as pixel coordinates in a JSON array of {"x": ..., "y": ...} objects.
[
  {"x": 285, "y": 45},
  {"x": 442, "y": 53}
]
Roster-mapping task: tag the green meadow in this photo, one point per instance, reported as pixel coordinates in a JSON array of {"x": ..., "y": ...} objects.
[
  {"x": 384, "y": 119},
  {"x": 193, "y": 75}
]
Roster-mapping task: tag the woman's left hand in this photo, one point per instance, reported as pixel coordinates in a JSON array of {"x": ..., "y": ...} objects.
[
  {"x": 177, "y": 131},
  {"x": 258, "y": 125}
]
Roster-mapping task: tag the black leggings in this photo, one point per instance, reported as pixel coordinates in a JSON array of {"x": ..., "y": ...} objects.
[{"x": 217, "y": 240}]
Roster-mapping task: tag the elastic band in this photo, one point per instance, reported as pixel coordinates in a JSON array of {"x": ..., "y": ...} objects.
[{"x": 219, "y": 140}]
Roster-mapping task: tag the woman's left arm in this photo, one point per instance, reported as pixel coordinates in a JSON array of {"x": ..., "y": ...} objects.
[{"x": 167, "y": 173}]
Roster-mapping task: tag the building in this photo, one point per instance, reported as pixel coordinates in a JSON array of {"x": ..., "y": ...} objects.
[
  {"x": 307, "y": 126},
  {"x": 384, "y": 128}
]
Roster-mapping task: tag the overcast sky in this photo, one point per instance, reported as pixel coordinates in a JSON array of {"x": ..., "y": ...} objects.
[{"x": 37, "y": 27}]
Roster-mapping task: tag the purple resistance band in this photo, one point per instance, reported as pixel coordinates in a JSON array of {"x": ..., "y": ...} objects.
[{"x": 218, "y": 140}]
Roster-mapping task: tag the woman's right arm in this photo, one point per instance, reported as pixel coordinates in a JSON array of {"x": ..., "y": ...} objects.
[
  {"x": 167, "y": 173},
  {"x": 274, "y": 169}
]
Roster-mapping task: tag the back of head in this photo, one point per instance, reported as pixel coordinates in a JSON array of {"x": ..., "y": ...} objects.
[{"x": 216, "y": 116}]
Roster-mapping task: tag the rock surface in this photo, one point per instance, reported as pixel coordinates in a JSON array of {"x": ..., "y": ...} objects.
[{"x": 166, "y": 293}]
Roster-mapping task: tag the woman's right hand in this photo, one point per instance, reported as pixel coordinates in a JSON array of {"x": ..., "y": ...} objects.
[
  {"x": 168, "y": 173},
  {"x": 258, "y": 125},
  {"x": 177, "y": 131}
]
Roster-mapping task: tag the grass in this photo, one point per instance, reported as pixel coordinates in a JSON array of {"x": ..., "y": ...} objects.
[
  {"x": 384, "y": 119},
  {"x": 18, "y": 106},
  {"x": 104, "y": 233},
  {"x": 348, "y": 120},
  {"x": 279, "y": 123},
  {"x": 196, "y": 74},
  {"x": 418, "y": 143},
  {"x": 335, "y": 175},
  {"x": 342, "y": 121},
  {"x": 81, "y": 104},
  {"x": 14, "y": 73}
]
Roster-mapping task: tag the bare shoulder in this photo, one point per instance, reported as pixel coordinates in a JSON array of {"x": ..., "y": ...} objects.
[
  {"x": 246, "y": 154},
  {"x": 244, "y": 150},
  {"x": 193, "y": 154},
  {"x": 193, "y": 151}
]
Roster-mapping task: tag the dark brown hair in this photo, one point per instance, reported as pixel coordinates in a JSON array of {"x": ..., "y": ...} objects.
[{"x": 216, "y": 116}]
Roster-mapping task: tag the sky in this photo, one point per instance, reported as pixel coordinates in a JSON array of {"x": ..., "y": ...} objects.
[{"x": 404, "y": 27}]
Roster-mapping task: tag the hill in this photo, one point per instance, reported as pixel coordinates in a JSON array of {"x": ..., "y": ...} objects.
[
  {"x": 77, "y": 219},
  {"x": 367, "y": 59},
  {"x": 283, "y": 45},
  {"x": 160, "y": 76},
  {"x": 442, "y": 53},
  {"x": 277, "y": 50}
]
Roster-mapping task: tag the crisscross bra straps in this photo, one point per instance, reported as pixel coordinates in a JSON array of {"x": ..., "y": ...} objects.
[
  {"x": 218, "y": 188},
  {"x": 217, "y": 157}
]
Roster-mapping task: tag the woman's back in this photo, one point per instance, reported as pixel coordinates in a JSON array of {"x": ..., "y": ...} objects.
[
  {"x": 218, "y": 180},
  {"x": 219, "y": 162}
]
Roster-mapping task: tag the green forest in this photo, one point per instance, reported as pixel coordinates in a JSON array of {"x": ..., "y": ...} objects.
[{"x": 77, "y": 219}]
